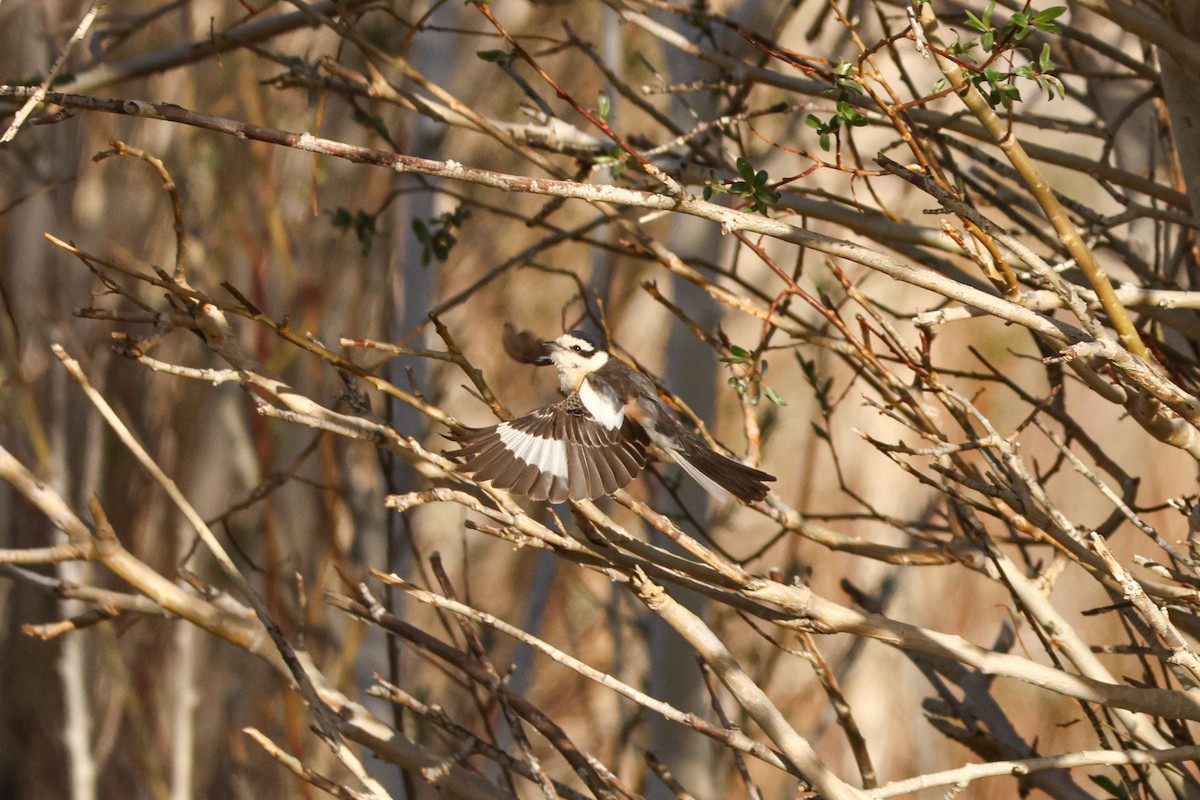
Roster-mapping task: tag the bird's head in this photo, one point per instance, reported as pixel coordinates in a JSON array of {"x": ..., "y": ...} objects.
[{"x": 576, "y": 355}]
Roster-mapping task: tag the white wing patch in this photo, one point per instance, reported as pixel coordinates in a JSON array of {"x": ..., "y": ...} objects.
[
  {"x": 605, "y": 410},
  {"x": 548, "y": 455}
]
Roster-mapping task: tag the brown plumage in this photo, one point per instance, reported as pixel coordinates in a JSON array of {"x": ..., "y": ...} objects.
[
  {"x": 593, "y": 442},
  {"x": 745, "y": 483},
  {"x": 566, "y": 454}
]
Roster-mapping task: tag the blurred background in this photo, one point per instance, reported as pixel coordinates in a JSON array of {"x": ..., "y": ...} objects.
[{"x": 145, "y": 705}]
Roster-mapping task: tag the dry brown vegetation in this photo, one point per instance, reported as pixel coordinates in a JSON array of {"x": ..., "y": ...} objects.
[{"x": 257, "y": 260}]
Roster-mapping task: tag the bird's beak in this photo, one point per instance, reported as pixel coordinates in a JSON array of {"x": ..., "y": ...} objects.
[{"x": 544, "y": 358}]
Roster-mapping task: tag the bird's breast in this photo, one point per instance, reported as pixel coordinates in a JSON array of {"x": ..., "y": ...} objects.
[{"x": 602, "y": 403}]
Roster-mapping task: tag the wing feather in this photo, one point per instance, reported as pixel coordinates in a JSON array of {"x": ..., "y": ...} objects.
[{"x": 556, "y": 453}]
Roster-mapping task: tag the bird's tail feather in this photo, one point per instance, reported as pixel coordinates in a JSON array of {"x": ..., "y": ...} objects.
[
  {"x": 718, "y": 474},
  {"x": 710, "y": 486}
]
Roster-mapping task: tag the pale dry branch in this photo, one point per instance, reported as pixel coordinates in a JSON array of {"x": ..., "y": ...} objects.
[
  {"x": 964, "y": 776},
  {"x": 728, "y": 219},
  {"x": 293, "y": 765},
  {"x": 729, "y": 736},
  {"x": 795, "y": 750},
  {"x": 39, "y": 94},
  {"x": 1182, "y": 654},
  {"x": 651, "y": 164}
]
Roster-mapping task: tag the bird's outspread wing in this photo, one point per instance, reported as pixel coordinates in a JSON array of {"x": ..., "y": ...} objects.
[{"x": 555, "y": 453}]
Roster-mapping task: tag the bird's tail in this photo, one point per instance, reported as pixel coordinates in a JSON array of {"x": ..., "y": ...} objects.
[{"x": 718, "y": 474}]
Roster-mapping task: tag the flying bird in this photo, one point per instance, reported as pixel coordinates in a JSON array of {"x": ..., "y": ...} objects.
[{"x": 594, "y": 441}]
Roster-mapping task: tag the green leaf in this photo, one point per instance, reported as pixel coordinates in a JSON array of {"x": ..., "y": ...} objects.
[
  {"x": 495, "y": 56},
  {"x": 764, "y": 199},
  {"x": 713, "y": 186},
  {"x": 1045, "y": 64},
  {"x": 1022, "y": 33},
  {"x": 603, "y": 105},
  {"x": 746, "y": 170},
  {"x": 1044, "y": 20},
  {"x": 960, "y": 47},
  {"x": 436, "y": 234},
  {"x": 1050, "y": 14},
  {"x": 362, "y": 223},
  {"x": 770, "y": 394}
]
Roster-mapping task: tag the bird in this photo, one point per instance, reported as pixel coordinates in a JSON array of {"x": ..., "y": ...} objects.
[{"x": 594, "y": 441}]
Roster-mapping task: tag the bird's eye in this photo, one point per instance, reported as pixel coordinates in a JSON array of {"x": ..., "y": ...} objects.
[{"x": 577, "y": 348}]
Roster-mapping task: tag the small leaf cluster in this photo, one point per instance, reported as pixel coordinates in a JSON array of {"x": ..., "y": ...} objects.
[
  {"x": 1041, "y": 74},
  {"x": 821, "y": 388},
  {"x": 754, "y": 377},
  {"x": 754, "y": 185},
  {"x": 998, "y": 88},
  {"x": 619, "y": 159},
  {"x": 846, "y": 114},
  {"x": 436, "y": 234},
  {"x": 614, "y": 155},
  {"x": 360, "y": 222},
  {"x": 995, "y": 87},
  {"x": 1018, "y": 27}
]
